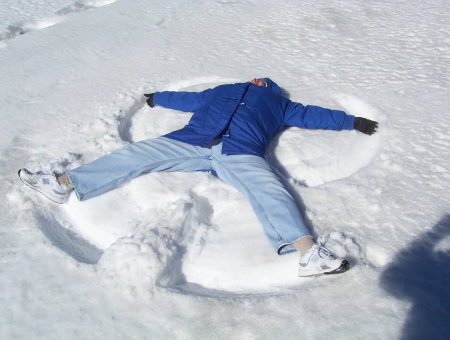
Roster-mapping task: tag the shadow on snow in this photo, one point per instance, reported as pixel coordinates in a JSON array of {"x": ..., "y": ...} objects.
[{"x": 421, "y": 274}]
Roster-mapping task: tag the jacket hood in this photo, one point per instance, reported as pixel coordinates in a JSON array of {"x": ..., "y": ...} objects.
[{"x": 272, "y": 85}]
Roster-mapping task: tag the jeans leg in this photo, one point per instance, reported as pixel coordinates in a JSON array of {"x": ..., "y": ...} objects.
[
  {"x": 151, "y": 155},
  {"x": 273, "y": 204}
]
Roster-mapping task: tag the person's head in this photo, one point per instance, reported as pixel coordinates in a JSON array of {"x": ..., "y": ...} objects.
[
  {"x": 259, "y": 82},
  {"x": 267, "y": 82}
]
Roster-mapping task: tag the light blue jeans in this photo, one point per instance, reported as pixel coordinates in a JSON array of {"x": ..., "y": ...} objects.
[{"x": 251, "y": 175}]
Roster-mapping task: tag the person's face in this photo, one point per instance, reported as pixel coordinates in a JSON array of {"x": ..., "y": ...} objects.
[{"x": 258, "y": 82}]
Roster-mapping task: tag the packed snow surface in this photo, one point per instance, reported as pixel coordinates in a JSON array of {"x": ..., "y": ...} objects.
[{"x": 181, "y": 255}]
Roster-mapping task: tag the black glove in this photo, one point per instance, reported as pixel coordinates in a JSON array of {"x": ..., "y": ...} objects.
[
  {"x": 365, "y": 125},
  {"x": 149, "y": 100}
]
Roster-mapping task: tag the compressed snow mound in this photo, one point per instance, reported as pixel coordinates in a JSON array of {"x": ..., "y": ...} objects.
[{"x": 172, "y": 236}]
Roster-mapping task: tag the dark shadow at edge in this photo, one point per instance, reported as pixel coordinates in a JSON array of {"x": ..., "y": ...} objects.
[
  {"x": 422, "y": 275},
  {"x": 68, "y": 241}
]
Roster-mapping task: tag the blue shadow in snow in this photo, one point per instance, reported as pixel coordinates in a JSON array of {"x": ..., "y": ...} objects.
[
  {"x": 421, "y": 274},
  {"x": 68, "y": 241}
]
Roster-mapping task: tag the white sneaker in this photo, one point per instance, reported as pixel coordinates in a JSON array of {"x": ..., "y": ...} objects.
[
  {"x": 319, "y": 260},
  {"x": 46, "y": 184}
]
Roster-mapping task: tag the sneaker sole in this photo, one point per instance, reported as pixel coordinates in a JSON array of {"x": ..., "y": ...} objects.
[
  {"x": 30, "y": 186},
  {"x": 342, "y": 268}
]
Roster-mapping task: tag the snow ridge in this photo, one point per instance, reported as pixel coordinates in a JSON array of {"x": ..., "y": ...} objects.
[{"x": 20, "y": 28}]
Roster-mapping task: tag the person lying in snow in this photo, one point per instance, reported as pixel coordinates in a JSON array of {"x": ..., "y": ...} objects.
[{"x": 227, "y": 135}]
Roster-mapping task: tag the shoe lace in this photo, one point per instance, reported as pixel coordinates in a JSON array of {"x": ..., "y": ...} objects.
[{"x": 324, "y": 252}]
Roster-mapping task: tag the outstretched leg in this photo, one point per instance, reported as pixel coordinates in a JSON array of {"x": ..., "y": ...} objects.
[
  {"x": 274, "y": 206},
  {"x": 277, "y": 211},
  {"x": 110, "y": 171}
]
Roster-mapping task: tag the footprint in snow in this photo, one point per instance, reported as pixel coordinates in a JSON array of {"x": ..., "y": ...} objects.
[{"x": 38, "y": 24}]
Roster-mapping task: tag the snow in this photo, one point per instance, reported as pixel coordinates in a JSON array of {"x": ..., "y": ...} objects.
[{"x": 181, "y": 255}]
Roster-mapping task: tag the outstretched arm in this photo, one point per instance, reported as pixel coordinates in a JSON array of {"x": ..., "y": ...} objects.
[
  {"x": 182, "y": 101},
  {"x": 316, "y": 117}
]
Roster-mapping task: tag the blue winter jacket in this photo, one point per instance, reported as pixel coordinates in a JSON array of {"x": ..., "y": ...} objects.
[{"x": 245, "y": 116}]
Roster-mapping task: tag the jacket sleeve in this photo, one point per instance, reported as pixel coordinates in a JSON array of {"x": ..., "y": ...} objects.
[
  {"x": 182, "y": 101},
  {"x": 316, "y": 117}
]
